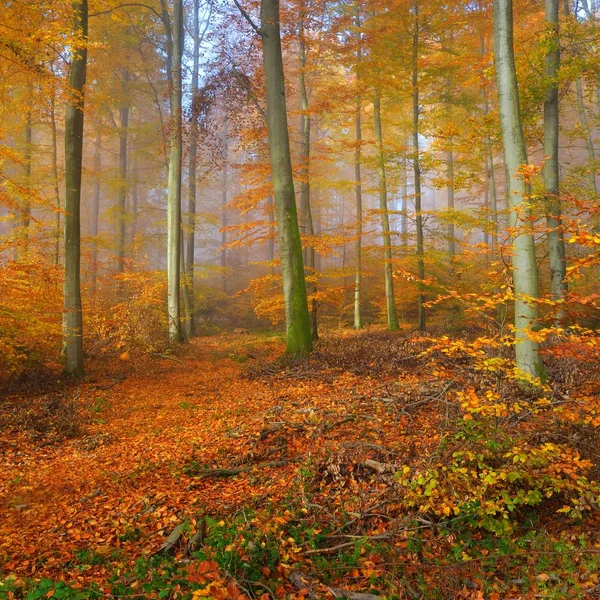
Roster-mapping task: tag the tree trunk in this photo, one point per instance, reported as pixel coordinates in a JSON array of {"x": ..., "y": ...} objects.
[
  {"x": 450, "y": 189},
  {"x": 489, "y": 168},
  {"x": 305, "y": 208},
  {"x": 404, "y": 205},
  {"x": 174, "y": 180},
  {"x": 525, "y": 277},
  {"x": 122, "y": 192},
  {"x": 55, "y": 181},
  {"x": 72, "y": 317},
  {"x": 96, "y": 208},
  {"x": 191, "y": 228},
  {"x": 417, "y": 169},
  {"x": 224, "y": 200},
  {"x": 299, "y": 338},
  {"x": 26, "y": 202},
  {"x": 358, "y": 189},
  {"x": 556, "y": 243},
  {"x": 271, "y": 210},
  {"x": 392, "y": 316}
]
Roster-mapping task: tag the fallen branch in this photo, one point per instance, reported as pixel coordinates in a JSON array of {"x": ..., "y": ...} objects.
[
  {"x": 382, "y": 536},
  {"x": 341, "y": 593},
  {"x": 169, "y": 357},
  {"x": 172, "y": 540}
]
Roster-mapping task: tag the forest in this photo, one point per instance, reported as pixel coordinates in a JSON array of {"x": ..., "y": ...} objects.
[{"x": 300, "y": 299}]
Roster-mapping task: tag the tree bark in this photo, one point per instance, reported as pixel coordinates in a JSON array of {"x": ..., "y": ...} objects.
[
  {"x": 489, "y": 168},
  {"x": 556, "y": 243},
  {"x": 96, "y": 208},
  {"x": 417, "y": 168},
  {"x": 224, "y": 201},
  {"x": 299, "y": 338},
  {"x": 525, "y": 276},
  {"x": 358, "y": 187},
  {"x": 26, "y": 201},
  {"x": 72, "y": 317},
  {"x": 392, "y": 316},
  {"x": 450, "y": 188},
  {"x": 174, "y": 180},
  {"x": 122, "y": 190},
  {"x": 55, "y": 181},
  {"x": 191, "y": 224},
  {"x": 305, "y": 199}
]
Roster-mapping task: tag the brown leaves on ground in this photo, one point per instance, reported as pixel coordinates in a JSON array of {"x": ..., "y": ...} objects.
[{"x": 360, "y": 409}]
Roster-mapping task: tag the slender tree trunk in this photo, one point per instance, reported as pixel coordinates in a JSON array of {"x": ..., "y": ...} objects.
[
  {"x": 556, "y": 242},
  {"x": 174, "y": 180},
  {"x": 589, "y": 140},
  {"x": 450, "y": 188},
  {"x": 224, "y": 201},
  {"x": 135, "y": 202},
  {"x": 305, "y": 207},
  {"x": 390, "y": 301},
  {"x": 122, "y": 192},
  {"x": 404, "y": 205},
  {"x": 358, "y": 188},
  {"x": 72, "y": 316},
  {"x": 299, "y": 338},
  {"x": 96, "y": 208},
  {"x": 27, "y": 150},
  {"x": 525, "y": 277},
  {"x": 417, "y": 168},
  {"x": 191, "y": 228},
  {"x": 271, "y": 211},
  {"x": 489, "y": 168},
  {"x": 55, "y": 180}
]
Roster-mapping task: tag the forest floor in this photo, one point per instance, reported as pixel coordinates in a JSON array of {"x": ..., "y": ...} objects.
[{"x": 220, "y": 471}]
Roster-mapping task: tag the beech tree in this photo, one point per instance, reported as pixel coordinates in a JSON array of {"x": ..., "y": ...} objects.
[
  {"x": 524, "y": 266},
  {"x": 297, "y": 319},
  {"x": 72, "y": 319}
]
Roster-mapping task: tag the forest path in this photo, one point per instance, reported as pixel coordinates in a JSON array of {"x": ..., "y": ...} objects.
[{"x": 132, "y": 477}]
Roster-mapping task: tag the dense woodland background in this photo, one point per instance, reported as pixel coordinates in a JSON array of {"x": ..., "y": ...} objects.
[{"x": 299, "y": 299}]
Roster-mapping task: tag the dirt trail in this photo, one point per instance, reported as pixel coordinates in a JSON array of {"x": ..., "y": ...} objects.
[{"x": 123, "y": 485}]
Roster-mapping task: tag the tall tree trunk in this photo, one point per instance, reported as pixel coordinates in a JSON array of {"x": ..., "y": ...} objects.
[
  {"x": 27, "y": 150},
  {"x": 589, "y": 140},
  {"x": 299, "y": 338},
  {"x": 392, "y": 316},
  {"x": 224, "y": 201},
  {"x": 489, "y": 168},
  {"x": 55, "y": 181},
  {"x": 271, "y": 211},
  {"x": 404, "y": 205},
  {"x": 305, "y": 208},
  {"x": 556, "y": 242},
  {"x": 122, "y": 192},
  {"x": 525, "y": 276},
  {"x": 72, "y": 316},
  {"x": 191, "y": 224},
  {"x": 450, "y": 189},
  {"x": 96, "y": 208},
  {"x": 174, "y": 180},
  {"x": 358, "y": 187},
  {"x": 417, "y": 168}
]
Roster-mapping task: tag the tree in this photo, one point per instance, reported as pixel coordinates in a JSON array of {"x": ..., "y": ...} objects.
[
  {"x": 524, "y": 266},
  {"x": 174, "y": 176},
  {"x": 417, "y": 165},
  {"x": 305, "y": 192},
  {"x": 392, "y": 317},
  {"x": 358, "y": 185},
  {"x": 72, "y": 319},
  {"x": 299, "y": 338},
  {"x": 556, "y": 243}
]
